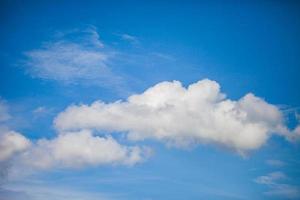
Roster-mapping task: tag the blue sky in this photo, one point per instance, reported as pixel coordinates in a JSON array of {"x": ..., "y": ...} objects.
[{"x": 149, "y": 100}]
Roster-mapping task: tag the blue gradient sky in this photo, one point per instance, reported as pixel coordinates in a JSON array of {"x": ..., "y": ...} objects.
[{"x": 248, "y": 46}]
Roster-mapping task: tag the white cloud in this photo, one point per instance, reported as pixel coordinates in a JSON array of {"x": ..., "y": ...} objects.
[
  {"x": 79, "y": 149},
  {"x": 271, "y": 178},
  {"x": 94, "y": 37},
  {"x": 276, "y": 188},
  {"x": 129, "y": 38},
  {"x": 67, "y": 150},
  {"x": 74, "y": 61},
  {"x": 182, "y": 116},
  {"x": 12, "y": 143},
  {"x": 34, "y": 189},
  {"x": 42, "y": 111}
]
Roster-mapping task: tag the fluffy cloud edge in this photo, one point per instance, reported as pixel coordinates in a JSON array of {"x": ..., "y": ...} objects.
[
  {"x": 169, "y": 112},
  {"x": 12, "y": 143},
  {"x": 80, "y": 149},
  {"x": 70, "y": 149}
]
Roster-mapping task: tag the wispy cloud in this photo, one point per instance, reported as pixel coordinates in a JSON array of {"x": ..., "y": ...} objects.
[
  {"x": 275, "y": 182},
  {"x": 6, "y": 194},
  {"x": 275, "y": 163},
  {"x": 95, "y": 37},
  {"x": 42, "y": 111},
  {"x": 271, "y": 178},
  {"x": 40, "y": 191},
  {"x": 129, "y": 38},
  {"x": 82, "y": 59},
  {"x": 288, "y": 110}
]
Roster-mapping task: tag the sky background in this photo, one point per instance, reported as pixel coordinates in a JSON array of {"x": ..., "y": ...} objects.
[{"x": 55, "y": 54}]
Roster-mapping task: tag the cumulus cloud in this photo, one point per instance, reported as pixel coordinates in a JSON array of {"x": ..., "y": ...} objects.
[
  {"x": 69, "y": 149},
  {"x": 276, "y": 188},
  {"x": 79, "y": 149},
  {"x": 182, "y": 116},
  {"x": 11, "y": 143},
  {"x": 71, "y": 61},
  {"x": 167, "y": 112}
]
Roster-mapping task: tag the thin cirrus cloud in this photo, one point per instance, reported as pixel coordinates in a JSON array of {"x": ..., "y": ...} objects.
[
  {"x": 80, "y": 57},
  {"x": 130, "y": 38},
  {"x": 182, "y": 116},
  {"x": 33, "y": 190},
  {"x": 275, "y": 182},
  {"x": 83, "y": 60},
  {"x": 275, "y": 163}
]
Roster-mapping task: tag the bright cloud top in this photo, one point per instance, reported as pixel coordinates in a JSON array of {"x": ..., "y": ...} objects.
[
  {"x": 182, "y": 116},
  {"x": 166, "y": 112}
]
